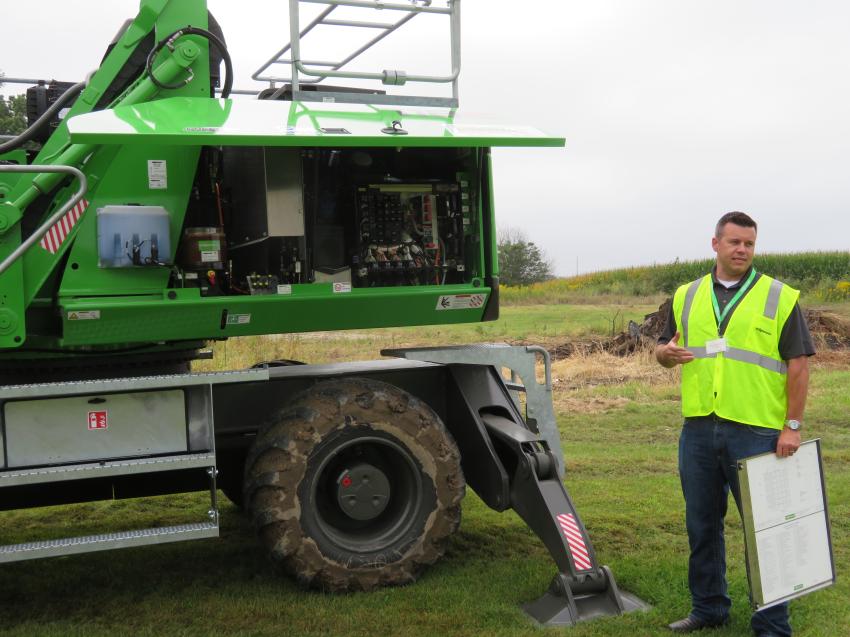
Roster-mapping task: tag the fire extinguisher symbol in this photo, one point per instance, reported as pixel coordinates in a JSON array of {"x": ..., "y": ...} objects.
[{"x": 97, "y": 420}]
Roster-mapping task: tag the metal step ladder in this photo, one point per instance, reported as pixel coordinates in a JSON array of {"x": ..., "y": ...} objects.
[
  {"x": 319, "y": 70},
  {"x": 42, "y": 412}
]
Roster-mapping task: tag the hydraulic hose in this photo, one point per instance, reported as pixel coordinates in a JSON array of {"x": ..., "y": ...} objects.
[
  {"x": 169, "y": 42},
  {"x": 45, "y": 118}
]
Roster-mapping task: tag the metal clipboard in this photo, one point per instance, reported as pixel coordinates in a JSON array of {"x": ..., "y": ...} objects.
[{"x": 786, "y": 525}]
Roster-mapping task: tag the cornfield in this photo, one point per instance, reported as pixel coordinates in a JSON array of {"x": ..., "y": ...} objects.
[{"x": 822, "y": 276}]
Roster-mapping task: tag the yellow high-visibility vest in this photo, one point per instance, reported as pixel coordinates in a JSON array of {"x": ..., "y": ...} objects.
[{"x": 745, "y": 383}]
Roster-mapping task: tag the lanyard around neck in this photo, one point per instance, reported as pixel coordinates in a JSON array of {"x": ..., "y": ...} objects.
[{"x": 721, "y": 316}]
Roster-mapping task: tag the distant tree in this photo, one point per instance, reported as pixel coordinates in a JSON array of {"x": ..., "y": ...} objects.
[
  {"x": 521, "y": 262},
  {"x": 13, "y": 113}
]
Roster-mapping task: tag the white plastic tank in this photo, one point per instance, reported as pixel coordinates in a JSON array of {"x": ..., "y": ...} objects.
[{"x": 133, "y": 236}]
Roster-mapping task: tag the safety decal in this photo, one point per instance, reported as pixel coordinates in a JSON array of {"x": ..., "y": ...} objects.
[
  {"x": 210, "y": 250},
  {"x": 97, "y": 420},
  {"x": 460, "y": 301},
  {"x": 238, "y": 319},
  {"x": 55, "y": 237},
  {"x": 157, "y": 174},
  {"x": 87, "y": 315},
  {"x": 341, "y": 288},
  {"x": 578, "y": 548}
]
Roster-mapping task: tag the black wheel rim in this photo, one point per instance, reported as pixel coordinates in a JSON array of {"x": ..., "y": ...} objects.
[{"x": 395, "y": 521}]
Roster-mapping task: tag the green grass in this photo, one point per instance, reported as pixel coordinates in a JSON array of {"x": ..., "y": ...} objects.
[
  {"x": 542, "y": 324},
  {"x": 621, "y": 462}
]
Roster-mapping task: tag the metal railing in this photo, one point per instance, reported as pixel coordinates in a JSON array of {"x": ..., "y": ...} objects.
[
  {"x": 319, "y": 70},
  {"x": 56, "y": 216}
]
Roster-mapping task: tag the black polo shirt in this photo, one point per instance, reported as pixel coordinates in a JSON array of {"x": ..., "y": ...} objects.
[{"x": 794, "y": 341}]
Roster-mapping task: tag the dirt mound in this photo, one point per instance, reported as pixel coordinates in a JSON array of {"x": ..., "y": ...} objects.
[{"x": 830, "y": 332}]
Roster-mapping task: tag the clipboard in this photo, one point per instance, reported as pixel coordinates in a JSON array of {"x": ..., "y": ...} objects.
[{"x": 786, "y": 525}]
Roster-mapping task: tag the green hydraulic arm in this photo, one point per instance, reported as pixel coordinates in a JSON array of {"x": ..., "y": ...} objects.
[{"x": 23, "y": 273}]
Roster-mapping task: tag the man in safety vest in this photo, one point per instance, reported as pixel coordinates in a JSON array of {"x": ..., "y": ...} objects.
[{"x": 743, "y": 345}]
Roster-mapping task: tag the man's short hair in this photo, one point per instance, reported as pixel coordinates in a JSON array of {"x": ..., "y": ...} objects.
[{"x": 738, "y": 218}]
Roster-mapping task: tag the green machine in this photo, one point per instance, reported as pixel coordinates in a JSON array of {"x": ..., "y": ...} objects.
[{"x": 162, "y": 210}]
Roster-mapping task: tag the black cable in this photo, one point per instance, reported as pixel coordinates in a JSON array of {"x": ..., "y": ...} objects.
[
  {"x": 45, "y": 118},
  {"x": 169, "y": 42}
]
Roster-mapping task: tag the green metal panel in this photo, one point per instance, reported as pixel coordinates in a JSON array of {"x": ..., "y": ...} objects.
[
  {"x": 310, "y": 307},
  {"x": 125, "y": 181},
  {"x": 12, "y": 324},
  {"x": 12, "y": 327},
  {"x": 493, "y": 246},
  {"x": 8, "y": 180},
  {"x": 204, "y": 122}
]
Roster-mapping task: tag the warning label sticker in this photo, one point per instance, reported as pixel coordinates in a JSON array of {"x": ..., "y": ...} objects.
[
  {"x": 460, "y": 301},
  {"x": 157, "y": 174},
  {"x": 88, "y": 315},
  {"x": 97, "y": 420},
  {"x": 209, "y": 245},
  {"x": 238, "y": 319},
  {"x": 341, "y": 288}
]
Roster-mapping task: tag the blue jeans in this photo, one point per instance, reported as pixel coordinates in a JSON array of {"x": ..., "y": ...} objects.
[{"x": 709, "y": 449}]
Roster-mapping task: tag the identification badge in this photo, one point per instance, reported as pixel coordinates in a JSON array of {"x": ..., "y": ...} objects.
[{"x": 715, "y": 346}]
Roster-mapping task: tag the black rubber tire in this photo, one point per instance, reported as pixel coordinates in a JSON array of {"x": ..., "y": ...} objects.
[{"x": 294, "y": 455}]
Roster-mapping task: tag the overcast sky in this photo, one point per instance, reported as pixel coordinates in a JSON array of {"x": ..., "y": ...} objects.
[{"x": 674, "y": 111}]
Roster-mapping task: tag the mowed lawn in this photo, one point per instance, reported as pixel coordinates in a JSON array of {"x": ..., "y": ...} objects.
[{"x": 619, "y": 421}]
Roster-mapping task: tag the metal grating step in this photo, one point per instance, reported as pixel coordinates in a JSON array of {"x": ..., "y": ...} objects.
[
  {"x": 106, "y": 468},
  {"x": 120, "y": 540}
]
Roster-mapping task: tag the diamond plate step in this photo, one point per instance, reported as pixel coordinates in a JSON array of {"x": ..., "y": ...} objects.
[
  {"x": 120, "y": 540},
  {"x": 107, "y": 468}
]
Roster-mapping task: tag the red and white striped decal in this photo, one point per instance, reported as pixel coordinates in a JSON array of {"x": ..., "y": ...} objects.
[
  {"x": 62, "y": 228},
  {"x": 578, "y": 548}
]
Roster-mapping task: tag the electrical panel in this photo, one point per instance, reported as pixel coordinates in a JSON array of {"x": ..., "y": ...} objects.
[
  {"x": 374, "y": 217},
  {"x": 409, "y": 234}
]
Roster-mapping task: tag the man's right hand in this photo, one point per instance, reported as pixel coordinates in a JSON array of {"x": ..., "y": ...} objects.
[{"x": 670, "y": 354}]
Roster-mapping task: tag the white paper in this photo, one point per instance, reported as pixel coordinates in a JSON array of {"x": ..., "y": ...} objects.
[
  {"x": 157, "y": 174},
  {"x": 784, "y": 489},
  {"x": 793, "y": 557}
]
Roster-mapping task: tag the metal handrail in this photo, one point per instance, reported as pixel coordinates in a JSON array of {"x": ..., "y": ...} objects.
[
  {"x": 56, "y": 216},
  {"x": 547, "y": 362},
  {"x": 24, "y": 80},
  {"x": 387, "y": 77}
]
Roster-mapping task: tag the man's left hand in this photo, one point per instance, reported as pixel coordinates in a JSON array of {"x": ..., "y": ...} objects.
[{"x": 788, "y": 443}]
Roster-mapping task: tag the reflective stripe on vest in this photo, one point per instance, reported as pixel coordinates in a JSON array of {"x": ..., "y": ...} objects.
[
  {"x": 735, "y": 354},
  {"x": 686, "y": 310},
  {"x": 773, "y": 299}
]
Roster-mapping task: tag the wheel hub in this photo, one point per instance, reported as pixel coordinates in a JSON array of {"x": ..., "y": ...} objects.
[{"x": 363, "y": 491}]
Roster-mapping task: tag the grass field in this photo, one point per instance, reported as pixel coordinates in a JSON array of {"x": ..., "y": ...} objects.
[
  {"x": 542, "y": 324},
  {"x": 619, "y": 426}
]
